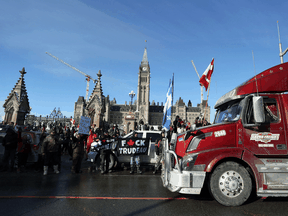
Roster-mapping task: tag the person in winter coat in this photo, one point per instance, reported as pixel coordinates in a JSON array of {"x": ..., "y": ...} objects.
[
  {"x": 180, "y": 127},
  {"x": 24, "y": 148},
  {"x": 39, "y": 163},
  {"x": 66, "y": 136},
  {"x": 10, "y": 144},
  {"x": 175, "y": 124},
  {"x": 158, "y": 149},
  {"x": 50, "y": 151},
  {"x": 90, "y": 139},
  {"x": 78, "y": 152}
]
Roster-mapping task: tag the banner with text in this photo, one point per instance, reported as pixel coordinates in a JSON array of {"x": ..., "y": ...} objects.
[
  {"x": 132, "y": 146},
  {"x": 84, "y": 125}
]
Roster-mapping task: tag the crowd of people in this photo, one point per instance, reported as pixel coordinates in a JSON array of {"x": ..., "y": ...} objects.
[
  {"x": 56, "y": 140},
  {"x": 180, "y": 126}
]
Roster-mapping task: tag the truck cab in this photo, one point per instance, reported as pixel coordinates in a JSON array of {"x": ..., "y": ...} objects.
[{"x": 244, "y": 148}]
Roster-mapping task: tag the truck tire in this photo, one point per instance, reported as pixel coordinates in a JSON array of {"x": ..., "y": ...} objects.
[{"x": 230, "y": 184}]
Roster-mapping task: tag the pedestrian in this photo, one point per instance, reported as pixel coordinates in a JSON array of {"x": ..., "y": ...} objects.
[
  {"x": 39, "y": 163},
  {"x": 50, "y": 151},
  {"x": 60, "y": 137},
  {"x": 135, "y": 159},
  {"x": 113, "y": 131},
  {"x": 159, "y": 150},
  {"x": 180, "y": 127},
  {"x": 104, "y": 153},
  {"x": 70, "y": 148},
  {"x": 10, "y": 144},
  {"x": 24, "y": 148},
  {"x": 66, "y": 140},
  {"x": 90, "y": 139},
  {"x": 78, "y": 152},
  {"x": 94, "y": 128},
  {"x": 188, "y": 126},
  {"x": 198, "y": 122},
  {"x": 175, "y": 124}
]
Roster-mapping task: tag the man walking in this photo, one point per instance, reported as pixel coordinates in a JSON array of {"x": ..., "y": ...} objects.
[
  {"x": 51, "y": 149},
  {"x": 10, "y": 144}
]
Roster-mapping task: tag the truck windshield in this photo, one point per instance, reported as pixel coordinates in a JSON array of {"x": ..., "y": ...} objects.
[{"x": 228, "y": 113}]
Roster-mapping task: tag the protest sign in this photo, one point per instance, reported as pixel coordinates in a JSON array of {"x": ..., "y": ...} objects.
[
  {"x": 132, "y": 146},
  {"x": 84, "y": 125}
]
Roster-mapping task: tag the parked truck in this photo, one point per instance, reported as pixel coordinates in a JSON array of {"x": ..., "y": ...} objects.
[{"x": 244, "y": 150}]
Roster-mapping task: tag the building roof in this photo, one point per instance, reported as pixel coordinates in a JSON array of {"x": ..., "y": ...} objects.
[
  {"x": 80, "y": 100},
  {"x": 122, "y": 107},
  {"x": 193, "y": 109},
  {"x": 19, "y": 90},
  {"x": 145, "y": 58}
]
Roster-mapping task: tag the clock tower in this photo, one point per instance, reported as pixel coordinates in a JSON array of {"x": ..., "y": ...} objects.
[{"x": 143, "y": 90}]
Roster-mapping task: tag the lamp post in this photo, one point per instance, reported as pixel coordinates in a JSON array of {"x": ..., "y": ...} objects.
[{"x": 132, "y": 95}]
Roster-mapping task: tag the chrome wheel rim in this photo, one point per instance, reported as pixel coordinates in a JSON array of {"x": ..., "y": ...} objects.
[{"x": 231, "y": 183}]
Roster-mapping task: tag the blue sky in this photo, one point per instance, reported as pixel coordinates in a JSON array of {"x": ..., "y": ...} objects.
[{"x": 110, "y": 35}]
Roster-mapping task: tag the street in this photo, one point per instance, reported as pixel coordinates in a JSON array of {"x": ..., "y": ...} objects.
[{"x": 117, "y": 193}]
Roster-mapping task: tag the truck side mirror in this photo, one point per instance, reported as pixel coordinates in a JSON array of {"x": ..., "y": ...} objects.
[{"x": 258, "y": 107}]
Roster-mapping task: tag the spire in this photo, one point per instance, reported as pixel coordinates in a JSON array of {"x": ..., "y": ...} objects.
[
  {"x": 97, "y": 89},
  {"x": 19, "y": 90},
  {"x": 23, "y": 72},
  {"x": 145, "y": 58},
  {"x": 98, "y": 84}
]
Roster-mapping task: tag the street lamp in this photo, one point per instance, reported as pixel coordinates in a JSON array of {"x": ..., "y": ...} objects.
[{"x": 132, "y": 95}]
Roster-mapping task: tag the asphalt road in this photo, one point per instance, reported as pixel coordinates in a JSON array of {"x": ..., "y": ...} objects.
[{"x": 117, "y": 193}]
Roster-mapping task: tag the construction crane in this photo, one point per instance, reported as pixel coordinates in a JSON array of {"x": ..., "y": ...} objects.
[{"x": 88, "y": 78}]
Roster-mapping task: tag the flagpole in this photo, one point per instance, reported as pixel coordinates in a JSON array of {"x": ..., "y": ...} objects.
[
  {"x": 172, "y": 97},
  {"x": 207, "y": 98},
  {"x": 199, "y": 78}
]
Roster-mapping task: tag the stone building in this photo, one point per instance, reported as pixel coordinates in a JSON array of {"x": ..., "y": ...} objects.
[
  {"x": 101, "y": 109},
  {"x": 16, "y": 106}
]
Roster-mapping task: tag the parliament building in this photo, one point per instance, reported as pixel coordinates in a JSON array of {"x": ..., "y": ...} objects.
[{"x": 127, "y": 116}]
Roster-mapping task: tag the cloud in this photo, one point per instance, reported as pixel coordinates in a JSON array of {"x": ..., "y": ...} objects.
[{"x": 55, "y": 27}]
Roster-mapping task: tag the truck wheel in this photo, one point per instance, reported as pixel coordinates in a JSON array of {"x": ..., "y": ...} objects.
[{"x": 230, "y": 184}]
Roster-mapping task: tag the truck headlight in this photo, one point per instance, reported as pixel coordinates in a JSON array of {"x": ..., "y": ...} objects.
[{"x": 188, "y": 162}]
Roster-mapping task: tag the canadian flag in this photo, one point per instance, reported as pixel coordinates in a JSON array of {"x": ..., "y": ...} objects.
[
  {"x": 206, "y": 77},
  {"x": 72, "y": 121}
]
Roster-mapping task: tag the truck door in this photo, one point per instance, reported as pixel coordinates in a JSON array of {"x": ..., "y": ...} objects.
[{"x": 269, "y": 137}]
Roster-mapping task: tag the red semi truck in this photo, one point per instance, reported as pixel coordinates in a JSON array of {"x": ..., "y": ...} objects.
[{"x": 245, "y": 147}]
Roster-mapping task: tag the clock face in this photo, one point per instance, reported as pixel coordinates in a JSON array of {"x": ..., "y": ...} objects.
[{"x": 144, "y": 68}]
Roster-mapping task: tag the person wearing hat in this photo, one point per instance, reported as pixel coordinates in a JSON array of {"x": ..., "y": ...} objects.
[{"x": 50, "y": 151}]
